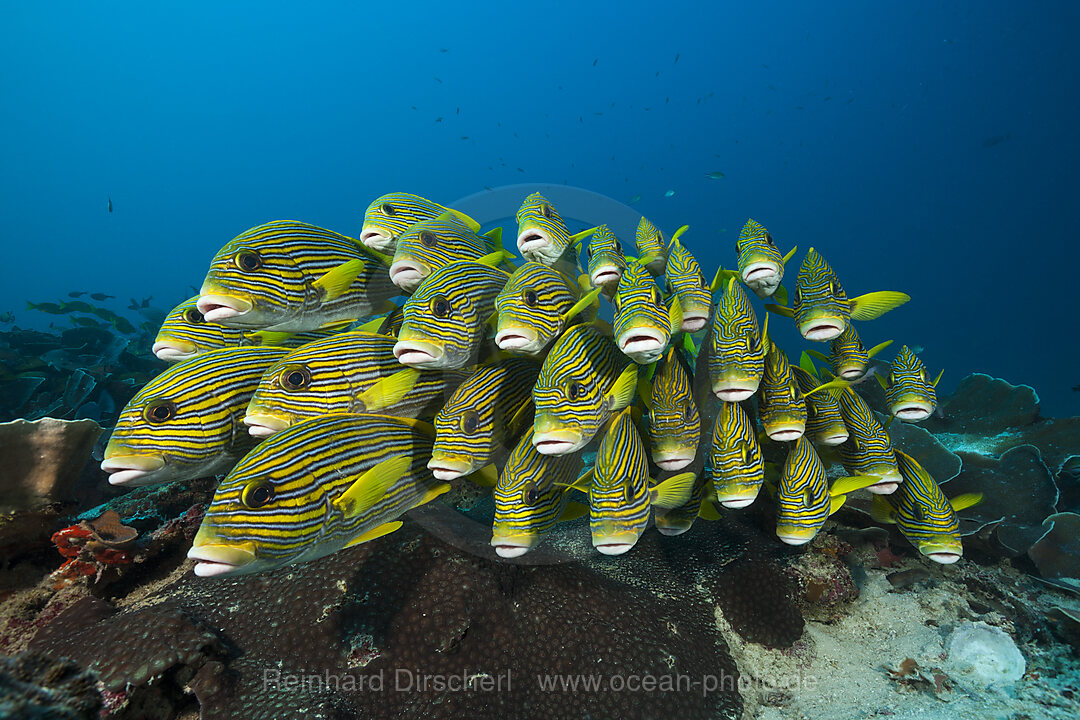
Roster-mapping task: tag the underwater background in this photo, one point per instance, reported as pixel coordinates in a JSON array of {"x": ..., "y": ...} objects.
[{"x": 927, "y": 147}]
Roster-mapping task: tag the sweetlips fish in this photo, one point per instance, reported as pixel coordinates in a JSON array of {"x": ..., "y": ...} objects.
[
  {"x": 824, "y": 421},
  {"x": 821, "y": 308},
  {"x": 847, "y": 357},
  {"x": 535, "y": 306},
  {"x": 651, "y": 248},
  {"x": 738, "y": 467},
  {"x": 431, "y": 244},
  {"x": 185, "y": 333},
  {"x": 804, "y": 500},
  {"x": 351, "y": 372},
  {"x": 686, "y": 282},
  {"x": 781, "y": 404},
  {"x": 187, "y": 422},
  {"x": 450, "y": 316},
  {"x": 922, "y": 512},
  {"x": 583, "y": 382},
  {"x": 620, "y": 499},
  {"x": 606, "y": 260},
  {"x": 531, "y": 496},
  {"x": 542, "y": 236},
  {"x": 677, "y": 520},
  {"x": 485, "y": 415},
  {"x": 868, "y": 450},
  {"x": 291, "y": 276},
  {"x": 390, "y": 215},
  {"x": 323, "y": 485},
  {"x": 391, "y": 323},
  {"x": 908, "y": 392},
  {"x": 674, "y": 422},
  {"x": 760, "y": 264},
  {"x": 736, "y": 348},
  {"x": 644, "y": 323}
]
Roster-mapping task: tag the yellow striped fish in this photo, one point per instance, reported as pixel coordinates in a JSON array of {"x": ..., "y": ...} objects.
[
  {"x": 531, "y": 496},
  {"x": 185, "y": 333},
  {"x": 583, "y": 382},
  {"x": 390, "y": 215},
  {"x": 651, "y": 248},
  {"x": 323, "y": 485},
  {"x": 910, "y": 395},
  {"x": 187, "y": 422},
  {"x": 431, "y": 244},
  {"x": 736, "y": 353},
  {"x": 760, "y": 264},
  {"x": 781, "y": 405},
  {"x": 448, "y": 318},
  {"x": 674, "y": 421},
  {"x": 391, "y": 324},
  {"x": 847, "y": 357},
  {"x": 677, "y": 520},
  {"x": 542, "y": 236},
  {"x": 822, "y": 309},
  {"x": 824, "y": 421},
  {"x": 606, "y": 260},
  {"x": 534, "y": 308},
  {"x": 290, "y": 276},
  {"x": 686, "y": 282},
  {"x": 804, "y": 500},
  {"x": 485, "y": 415},
  {"x": 868, "y": 450},
  {"x": 735, "y": 459},
  {"x": 620, "y": 499},
  {"x": 352, "y": 372},
  {"x": 644, "y": 323},
  {"x": 922, "y": 512}
]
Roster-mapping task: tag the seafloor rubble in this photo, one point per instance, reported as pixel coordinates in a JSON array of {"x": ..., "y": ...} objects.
[{"x": 100, "y": 615}]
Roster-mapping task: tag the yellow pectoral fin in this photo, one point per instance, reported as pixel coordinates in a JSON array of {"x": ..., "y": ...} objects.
[
  {"x": 675, "y": 315},
  {"x": 622, "y": 392},
  {"x": 389, "y": 390},
  {"x": 882, "y": 382},
  {"x": 708, "y": 511},
  {"x": 573, "y": 511},
  {"x": 370, "y": 487},
  {"x": 966, "y": 500},
  {"x": 878, "y": 348},
  {"x": 790, "y": 255},
  {"x": 372, "y": 326},
  {"x": 270, "y": 338},
  {"x": 779, "y": 310},
  {"x": 807, "y": 364},
  {"x": 473, "y": 225},
  {"x": 835, "y": 384},
  {"x": 495, "y": 235},
  {"x": 487, "y": 476},
  {"x": 420, "y": 426},
  {"x": 850, "y": 483},
  {"x": 376, "y": 532},
  {"x": 675, "y": 237},
  {"x": 578, "y": 237},
  {"x": 938, "y": 378},
  {"x": 818, "y": 354},
  {"x": 494, "y": 259},
  {"x": 881, "y": 510},
  {"x": 780, "y": 295},
  {"x": 836, "y": 503},
  {"x": 875, "y": 304},
  {"x": 432, "y": 493},
  {"x": 673, "y": 492},
  {"x": 588, "y": 300},
  {"x": 645, "y": 392},
  {"x": 337, "y": 281}
]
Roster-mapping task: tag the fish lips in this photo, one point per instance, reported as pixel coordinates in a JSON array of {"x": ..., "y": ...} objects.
[
  {"x": 737, "y": 501},
  {"x": 822, "y": 329},
  {"x": 419, "y": 353},
  {"x": 911, "y": 411},
  {"x": 408, "y": 273},
  {"x": 794, "y": 536},
  {"x": 616, "y": 544},
  {"x": 762, "y": 274},
  {"x": 694, "y": 323},
  {"x": 377, "y": 238},
  {"x": 852, "y": 372},
  {"x": 513, "y": 546},
  {"x": 173, "y": 350},
  {"x": 222, "y": 308},
  {"x": 133, "y": 470},
  {"x": 533, "y": 240},
  {"x": 943, "y": 555},
  {"x": 887, "y": 484},
  {"x": 786, "y": 432},
  {"x": 606, "y": 276},
  {"x": 832, "y": 437},
  {"x": 261, "y": 425},
  {"x": 735, "y": 390},
  {"x": 215, "y": 560},
  {"x": 643, "y": 345},
  {"x": 557, "y": 442},
  {"x": 518, "y": 339},
  {"x": 674, "y": 459},
  {"x": 445, "y": 468}
]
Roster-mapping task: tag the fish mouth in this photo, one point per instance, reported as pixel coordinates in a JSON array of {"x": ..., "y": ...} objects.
[
  {"x": 672, "y": 460},
  {"x": 532, "y": 240},
  {"x": 606, "y": 275},
  {"x": 736, "y": 502},
  {"x": 852, "y": 372},
  {"x": 822, "y": 329},
  {"x": 215, "y": 560},
  {"x": 261, "y": 425},
  {"x": 735, "y": 390},
  {"x": 216, "y": 308},
  {"x": 760, "y": 272},
  {"x": 512, "y": 546},
  {"x": 418, "y": 353},
  {"x": 786, "y": 433},
  {"x": 911, "y": 411},
  {"x": 515, "y": 339},
  {"x": 794, "y": 537},
  {"x": 173, "y": 350},
  {"x": 132, "y": 470},
  {"x": 945, "y": 557},
  {"x": 556, "y": 442},
  {"x": 693, "y": 323},
  {"x": 833, "y": 437},
  {"x": 408, "y": 274},
  {"x": 643, "y": 342},
  {"x": 677, "y": 528},
  {"x": 447, "y": 468},
  {"x": 888, "y": 483},
  {"x": 377, "y": 239},
  {"x": 615, "y": 544}
]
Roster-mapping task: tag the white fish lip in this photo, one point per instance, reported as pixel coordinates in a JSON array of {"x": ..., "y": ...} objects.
[
  {"x": 736, "y": 503},
  {"x": 172, "y": 351},
  {"x": 417, "y": 352},
  {"x": 376, "y": 239},
  {"x": 446, "y": 468},
  {"x": 607, "y": 275},
  {"x": 407, "y": 275},
  {"x": 785, "y": 433},
  {"x": 613, "y": 548},
  {"x": 794, "y": 539},
  {"x": 514, "y": 339},
  {"x": 554, "y": 447},
  {"x": 887, "y": 485},
  {"x": 735, "y": 390},
  {"x": 852, "y": 373},
  {"x": 693, "y": 323},
  {"x": 945, "y": 558},
  {"x": 759, "y": 272},
  {"x": 672, "y": 461},
  {"x": 130, "y": 469},
  {"x": 532, "y": 240},
  {"x": 511, "y": 547},
  {"x": 912, "y": 412},
  {"x": 216, "y": 560},
  {"x": 260, "y": 425},
  {"x": 821, "y": 330},
  {"x": 641, "y": 341},
  {"x": 216, "y": 308},
  {"x": 833, "y": 439}
]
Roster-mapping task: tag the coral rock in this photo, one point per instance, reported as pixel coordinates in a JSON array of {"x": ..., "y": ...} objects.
[
  {"x": 985, "y": 405},
  {"x": 33, "y": 687},
  {"x": 984, "y": 655},
  {"x": 42, "y": 460},
  {"x": 1057, "y": 553}
]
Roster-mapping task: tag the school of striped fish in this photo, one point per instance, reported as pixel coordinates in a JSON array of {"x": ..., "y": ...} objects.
[{"x": 337, "y": 383}]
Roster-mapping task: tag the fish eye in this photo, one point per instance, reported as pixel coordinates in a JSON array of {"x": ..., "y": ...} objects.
[
  {"x": 577, "y": 390},
  {"x": 388, "y": 209},
  {"x": 428, "y": 239},
  {"x": 530, "y": 298},
  {"x": 193, "y": 316},
  {"x": 752, "y": 341},
  {"x": 922, "y": 374},
  {"x": 795, "y": 394},
  {"x": 530, "y": 494},
  {"x": 811, "y": 410},
  {"x": 807, "y": 497},
  {"x": 470, "y": 420},
  {"x": 440, "y": 307},
  {"x": 628, "y": 493},
  {"x": 257, "y": 494},
  {"x": 798, "y": 296},
  {"x": 745, "y": 453},
  {"x": 294, "y": 378},
  {"x": 892, "y": 378},
  {"x": 547, "y": 211},
  {"x": 688, "y": 412},
  {"x": 768, "y": 239},
  {"x": 836, "y": 289},
  {"x": 657, "y": 297},
  {"x": 248, "y": 260},
  {"x": 159, "y": 411}
]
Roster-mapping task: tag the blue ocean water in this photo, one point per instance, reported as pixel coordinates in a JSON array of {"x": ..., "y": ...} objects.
[{"x": 927, "y": 147}]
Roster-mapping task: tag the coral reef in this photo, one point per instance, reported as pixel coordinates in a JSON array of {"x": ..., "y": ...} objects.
[
  {"x": 33, "y": 687},
  {"x": 1057, "y": 553}
]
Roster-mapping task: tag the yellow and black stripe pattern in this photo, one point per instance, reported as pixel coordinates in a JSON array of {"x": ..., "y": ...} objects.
[
  {"x": 191, "y": 415},
  {"x": 909, "y": 393},
  {"x": 651, "y": 248},
  {"x": 824, "y": 421},
  {"x": 755, "y": 245},
  {"x": 275, "y": 266},
  {"x": 802, "y": 498},
  {"x": 868, "y": 450},
  {"x": 847, "y": 356},
  {"x": 605, "y": 255},
  {"x": 685, "y": 280},
  {"x": 737, "y": 353},
  {"x": 674, "y": 421},
  {"x": 923, "y": 514},
  {"x": 538, "y": 214},
  {"x": 431, "y": 244},
  {"x": 485, "y": 415},
  {"x": 619, "y": 505},
  {"x": 781, "y": 405},
  {"x": 735, "y": 459},
  {"x": 819, "y": 297},
  {"x": 532, "y": 305},
  {"x": 279, "y": 501},
  {"x": 640, "y": 306},
  {"x": 391, "y": 214}
]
